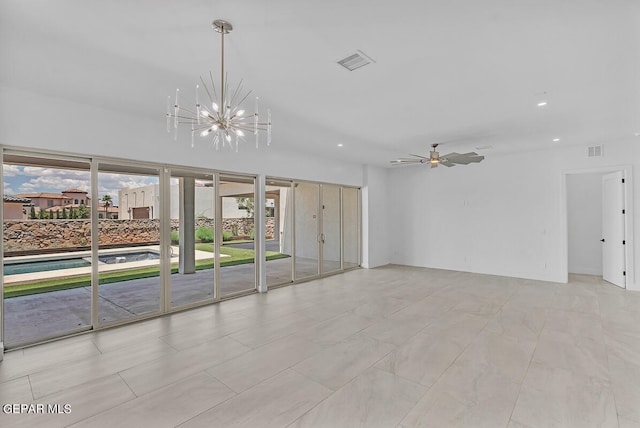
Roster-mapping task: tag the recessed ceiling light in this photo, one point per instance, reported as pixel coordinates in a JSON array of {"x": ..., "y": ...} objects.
[
  {"x": 340, "y": 145},
  {"x": 542, "y": 104},
  {"x": 555, "y": 140},
  {"x": 637, "y": 134}
]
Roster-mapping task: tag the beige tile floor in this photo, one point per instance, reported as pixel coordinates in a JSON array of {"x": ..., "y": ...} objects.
[{"x": 388, "y": 347}]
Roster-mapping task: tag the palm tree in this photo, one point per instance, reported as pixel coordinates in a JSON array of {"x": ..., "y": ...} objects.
[{"x": 106, "y": 200}]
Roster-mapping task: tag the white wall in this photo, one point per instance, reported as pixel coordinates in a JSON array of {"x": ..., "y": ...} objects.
[
  {"x": 375, "y": 220},
  {"x": 88, "y": 130},
  {"x": 504, "y": 216},
  {"x": 584, "y": 223}
]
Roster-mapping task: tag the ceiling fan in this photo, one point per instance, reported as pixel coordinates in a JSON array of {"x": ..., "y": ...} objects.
[{"x": 434, "y": 159}]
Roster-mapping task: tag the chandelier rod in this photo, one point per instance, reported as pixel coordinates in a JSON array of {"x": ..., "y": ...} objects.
[{"x": 222, "y": 100}]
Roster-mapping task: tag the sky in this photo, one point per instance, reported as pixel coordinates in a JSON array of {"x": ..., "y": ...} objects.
[{"x": 29, "y": 179}]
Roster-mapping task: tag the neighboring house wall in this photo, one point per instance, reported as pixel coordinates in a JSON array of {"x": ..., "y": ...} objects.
[
  {"x": 46, "y": 202},
  {"x": 138, "y": 197},
  {"x": 148, "y": 196},
  {"x": 77, "y": 198},
  {"x": 15, "y": 211}
]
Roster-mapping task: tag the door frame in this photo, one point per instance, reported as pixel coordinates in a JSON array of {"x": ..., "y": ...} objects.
[{"x": 627, "y": 173}]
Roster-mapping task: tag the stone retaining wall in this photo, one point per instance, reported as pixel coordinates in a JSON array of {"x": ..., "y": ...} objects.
[{"x": 25, "y": 235}]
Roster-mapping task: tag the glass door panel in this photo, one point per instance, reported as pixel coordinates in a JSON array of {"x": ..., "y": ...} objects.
[
  {"x": 350, "y": 227},
  {"x": 279, "y": 232},
  {"x": 237, "y": 250},
  {"x": 47, "y": 248},
  {"x": 331, "y": 236},
  {"x": 129, "y": 242},
  {"x": 306, "y": 229},
  {"x": 192, "y": 227}
]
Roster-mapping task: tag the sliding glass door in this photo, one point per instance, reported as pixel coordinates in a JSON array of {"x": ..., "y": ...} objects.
[
  {"x": 279, "y": 232},
  {"x": 351, "y": 227},
  {"x": 89, "y": 243},
  {"x": 47, "y": 247},
  {"x": 192, "y": 232},
  {"x": 307, "y": 230},
  {"x": 331, "y": 236},
  {"x": 237, "y": 234},
  {"x": 129, "y": 254}
]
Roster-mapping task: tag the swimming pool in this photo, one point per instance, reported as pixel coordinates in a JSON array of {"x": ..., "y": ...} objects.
[
  {"x": 31, "y": 266},
  {"x": 15, "y": 268}
]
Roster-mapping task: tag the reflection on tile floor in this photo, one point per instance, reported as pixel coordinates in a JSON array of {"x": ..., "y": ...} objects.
[{"x": 391, "y": 347}]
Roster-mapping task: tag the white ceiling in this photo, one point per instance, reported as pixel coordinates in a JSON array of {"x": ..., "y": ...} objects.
[{"x": 464, "y": 72}]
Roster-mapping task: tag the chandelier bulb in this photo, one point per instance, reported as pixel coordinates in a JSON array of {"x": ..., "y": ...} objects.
[{"x": 215, "y": 107}]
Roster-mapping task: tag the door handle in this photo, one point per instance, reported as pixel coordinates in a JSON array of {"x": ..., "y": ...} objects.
[{"x": 602, "y": 240}]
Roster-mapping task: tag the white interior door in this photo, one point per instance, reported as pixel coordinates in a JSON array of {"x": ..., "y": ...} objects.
[{"x": 613, "y": 229}]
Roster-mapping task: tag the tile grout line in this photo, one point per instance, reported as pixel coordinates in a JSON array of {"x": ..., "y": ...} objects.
[{"x": 515, "y": 403}]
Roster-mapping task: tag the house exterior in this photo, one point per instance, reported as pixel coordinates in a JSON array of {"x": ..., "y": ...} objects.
[
  {"x": 18, "y": 206},
  {"x": 46, "y": 200},
  {"x": 15, "y": 207}
]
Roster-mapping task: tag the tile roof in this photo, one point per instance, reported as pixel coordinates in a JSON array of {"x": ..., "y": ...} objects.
[
  {"x": 42, "y": 195},
  {"x": 18, "y": 199}
]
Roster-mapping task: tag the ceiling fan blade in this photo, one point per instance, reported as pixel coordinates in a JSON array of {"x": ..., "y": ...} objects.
[
  {"x": 418, "y": 156},
  {"x": 467, "y": 161},
  {"x": 464, "y": 158},
  {"x": 406, "y": 162},
  {"x": 447, "y": 163}
]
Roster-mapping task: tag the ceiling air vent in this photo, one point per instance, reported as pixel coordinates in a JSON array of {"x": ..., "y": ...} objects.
[
  {"x": 595, "y": 151},
  {"x": 355, "y": 61}
]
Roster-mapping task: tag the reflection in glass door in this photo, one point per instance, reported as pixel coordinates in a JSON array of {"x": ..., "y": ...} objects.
[
  {"x": 331, "y": 234},
  {"x": 129, "y": 242},
  {"x": 47, "y": 248},
  {"x": 279, "y": 232},
  {"x": 306, "y": 229},
  {"x": 192, "y": 231},
  {"x": 237, "y": 249}
]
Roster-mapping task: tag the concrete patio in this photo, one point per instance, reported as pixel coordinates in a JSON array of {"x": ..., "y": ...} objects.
[{"x": 35, "y": 317}]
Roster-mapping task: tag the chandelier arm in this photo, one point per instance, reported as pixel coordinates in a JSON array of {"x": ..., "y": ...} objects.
[
  {"x": 206, "y": 89},
  {"x": 213, "y": 88},
  {"x": 244, "y": 119},
  {"x": 187, "y": 110},
  {"x": 202, "y": 128},
  {"x": 190, "y": 119},
  {"x": 244, "y": 98},
  {"x": 250, "y": 128},
  {"x": 235, "y": 94},
  {"x": 244, "y": 125}
]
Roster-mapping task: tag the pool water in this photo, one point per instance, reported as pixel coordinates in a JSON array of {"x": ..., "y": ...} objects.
[
  {"x": 15, "y": 268},
  {"x": 43, "y": 266}
]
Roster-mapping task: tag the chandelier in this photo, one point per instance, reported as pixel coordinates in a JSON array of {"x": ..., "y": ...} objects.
[{"x": 221, "y": 118}]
